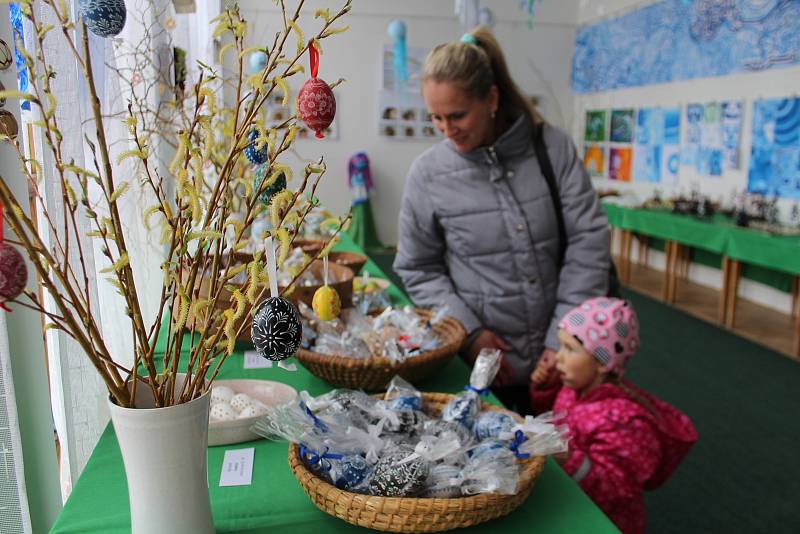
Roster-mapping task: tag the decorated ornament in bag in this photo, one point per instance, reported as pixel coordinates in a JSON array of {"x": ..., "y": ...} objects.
[
  {"x": 491, "y": 424},
  {"x": 395, "y": 477},
  {"x": 262, "y": 173},
  {"x": 13, "y": 271},
  {"x": 316, "y": 104},
  {"x": 255, "y": 155},
  {"x": 353, "y": 470},
  {"x": 104, "y": 18},
  {"x": 465, "y": 406},
  {"x": 277, "y": 331},
  {"x": 326, "y": 302}
]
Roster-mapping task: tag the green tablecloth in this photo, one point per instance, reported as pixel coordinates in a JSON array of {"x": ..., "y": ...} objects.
[
  {"x": 718, "y": 235},
  {"x": 275, "y": 501}
]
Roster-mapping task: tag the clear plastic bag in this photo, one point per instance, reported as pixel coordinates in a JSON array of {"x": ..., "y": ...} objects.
[
  {"x": 538, "y": 436},
  {"x": 401, "y": 395},
  {"x": 490, "y": 473}
]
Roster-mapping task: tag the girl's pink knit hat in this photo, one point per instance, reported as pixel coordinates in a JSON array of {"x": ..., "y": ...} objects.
[{"x": 607, "y": 328}]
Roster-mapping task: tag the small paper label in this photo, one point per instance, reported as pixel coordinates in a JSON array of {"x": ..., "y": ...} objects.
[
  {"x": 237, "y": 468},
  {"x": 287, "y": 366},
  {"x": 252, "y": 360}
]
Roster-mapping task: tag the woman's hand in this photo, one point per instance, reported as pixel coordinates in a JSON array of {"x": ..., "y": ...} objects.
[{"x": 486, "y": 339}]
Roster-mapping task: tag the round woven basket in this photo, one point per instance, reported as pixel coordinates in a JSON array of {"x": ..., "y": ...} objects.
[
  {"x": 373, "y": 374},
  {"x": 406, "y": 514},
  {"x": 351, "y": 260}
]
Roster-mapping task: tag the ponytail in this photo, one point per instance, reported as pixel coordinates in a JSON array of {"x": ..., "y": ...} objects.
[{"x": 475, "y": 66}]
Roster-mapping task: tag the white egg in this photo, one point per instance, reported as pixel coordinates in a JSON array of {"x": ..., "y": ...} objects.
[
  {"x": 249, "y": 411},
  {"x": 222, "y": 411},
  {"x": 221, "y": 393},
  {"x": 240, "y": 401}
]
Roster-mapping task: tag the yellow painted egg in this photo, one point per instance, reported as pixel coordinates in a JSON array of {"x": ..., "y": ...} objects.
[{"x": 326, "y": 303}]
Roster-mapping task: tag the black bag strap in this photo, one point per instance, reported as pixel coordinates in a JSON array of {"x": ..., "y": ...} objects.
[
  {"x": 546, "y": 167},
  {"x": 550, "y": 177}
]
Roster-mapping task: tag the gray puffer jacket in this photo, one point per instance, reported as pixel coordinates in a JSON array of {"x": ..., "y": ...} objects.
[{"x": 478, "y": 233}]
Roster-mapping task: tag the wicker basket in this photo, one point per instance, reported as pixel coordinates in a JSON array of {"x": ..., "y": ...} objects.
[
  {"x": 373, "y": 374},
  {"x": 351, "y": 260},
  {"x": 396, "y": 514}
]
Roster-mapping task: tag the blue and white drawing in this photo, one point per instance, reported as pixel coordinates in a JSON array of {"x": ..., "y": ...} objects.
[
  {"x": 684, "y": 39},
  {"x": 15, "y": 17},
  {"x": 775, "y": 156},
  {"x": 713, "y": 134},
  {"x": 656, "y": 151}
]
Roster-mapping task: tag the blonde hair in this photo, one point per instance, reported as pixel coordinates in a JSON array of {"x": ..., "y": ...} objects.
[{"x": 475, "y": 67}]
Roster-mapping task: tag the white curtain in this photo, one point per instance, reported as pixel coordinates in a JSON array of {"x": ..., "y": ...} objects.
[{"x": 14, "y": 514}]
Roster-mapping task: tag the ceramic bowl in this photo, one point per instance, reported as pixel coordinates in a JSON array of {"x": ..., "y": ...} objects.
[{"x": 237, "y": 431}]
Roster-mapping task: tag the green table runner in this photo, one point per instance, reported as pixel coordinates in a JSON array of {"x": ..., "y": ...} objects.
[
  {"x": 275, "y": 502},
  {"x": 717, "y": 235}
]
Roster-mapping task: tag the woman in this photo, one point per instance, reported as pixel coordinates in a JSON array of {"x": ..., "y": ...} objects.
[{"x": 478, "y": 228}]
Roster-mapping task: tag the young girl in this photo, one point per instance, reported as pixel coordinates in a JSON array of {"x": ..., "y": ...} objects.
[{"x": 624, "y": 440}]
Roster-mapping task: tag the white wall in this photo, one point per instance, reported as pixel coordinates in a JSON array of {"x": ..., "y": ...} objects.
[
  {"x": 772, "y": 83},
  {"x": 356, "y": 56}
]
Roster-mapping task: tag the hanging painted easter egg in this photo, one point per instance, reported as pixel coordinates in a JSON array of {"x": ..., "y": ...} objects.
[
  {"x": 277, "y": 331},
  {"x": 104, "y": 18},
  {"x": 262, "y": 173},
  {"x": 258, "y": 62},
  {"x": 13, "y": 272},
  {"x": 255, "y": 155},
  {"x": 316, "y": 104},
  {"x": 326, "y": 303}
]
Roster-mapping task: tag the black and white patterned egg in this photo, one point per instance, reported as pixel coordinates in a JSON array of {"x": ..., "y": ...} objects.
[
  {"x": 392, "y": 478},
  {"x": 407, "y": 422},
  {"x": 253, "y": 154},
  {"x": 277, "y": 331},
  {"x": 104, "y": 18},
  {"x": 492, "y": 424}
]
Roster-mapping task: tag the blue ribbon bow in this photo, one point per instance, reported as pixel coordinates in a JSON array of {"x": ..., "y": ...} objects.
[
  {"x": 317, "y": 422},
  {"x": 314, "y": 457},
  {"x": 479, "y": 391},
  {"x": 519, "y": 439}
]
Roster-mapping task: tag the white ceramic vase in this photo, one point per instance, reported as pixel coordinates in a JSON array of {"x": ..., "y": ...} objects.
[{"x": 164, "y": 452}]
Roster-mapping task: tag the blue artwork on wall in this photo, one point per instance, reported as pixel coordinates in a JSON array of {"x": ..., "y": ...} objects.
[
  {"x": 775, "y": 156},
  {"x": 15, "y": 17},
  {"x": 656, "y": 151},
  {"x": 713, "y": 132},
  {"x": 683, "y": 39}
]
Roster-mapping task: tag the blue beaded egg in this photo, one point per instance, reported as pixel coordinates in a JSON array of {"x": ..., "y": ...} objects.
[
  {"x": 255, "y": 155},
  {"x": 262, "y": 173},
  {"x": 351, "y": 470},
  {"x": 491, "y": 424},
  {"x": 104, "y": 18}
]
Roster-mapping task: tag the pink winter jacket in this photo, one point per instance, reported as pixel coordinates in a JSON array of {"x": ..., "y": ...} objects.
[{"x": 619, "y": 448}]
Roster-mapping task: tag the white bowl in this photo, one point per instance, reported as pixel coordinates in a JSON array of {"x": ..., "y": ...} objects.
[{"x": 237, "y": 431}]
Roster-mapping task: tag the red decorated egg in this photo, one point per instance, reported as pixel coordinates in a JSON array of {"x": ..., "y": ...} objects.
[
  {"x": 316, "y": 105},
  {"x": 13, "y": 272}
]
